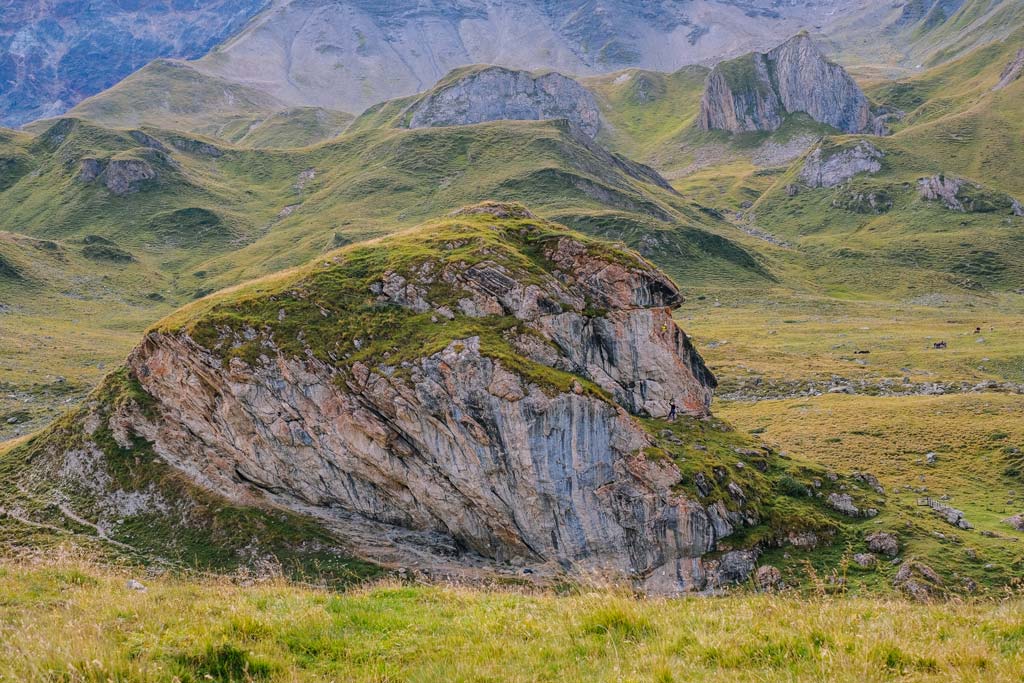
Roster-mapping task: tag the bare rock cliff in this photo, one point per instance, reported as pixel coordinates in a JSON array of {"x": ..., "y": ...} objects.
[
  {"x": 755, "y": 92},
  {"x": 495, "y": 93},
  {"x": 488, "y": 392}
]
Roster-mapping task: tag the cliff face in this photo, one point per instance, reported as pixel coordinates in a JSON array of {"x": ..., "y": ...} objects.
[
  {"x": 489, "y": 391},
  {"x": 495, "y": 93},
  {"x": 459, "y": 447},
  {"x": 755, "y": 92}
]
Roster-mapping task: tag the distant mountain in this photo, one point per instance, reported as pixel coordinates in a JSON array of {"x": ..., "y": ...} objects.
[
  {"x": 53, "y": 53},
  {"x": 349, "y": 54}
]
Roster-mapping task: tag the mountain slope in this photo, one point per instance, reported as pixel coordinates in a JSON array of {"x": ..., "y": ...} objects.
[
  {"x": 191, "y": 215},
  {"x": 350, "y": 55},
  {"x": 53, "y": 54}
]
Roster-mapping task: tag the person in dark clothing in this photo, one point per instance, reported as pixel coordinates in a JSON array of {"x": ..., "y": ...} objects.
[{"x": 672, "y": 410}]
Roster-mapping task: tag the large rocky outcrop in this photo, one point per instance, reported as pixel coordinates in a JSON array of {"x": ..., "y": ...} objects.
[
  {"x": 457, "y": 443},
  {"x": 485, "y": 394},
  {"x": 123, "y": 174},
  {"x": 755, "y": 92},
  {"x": 828, "y": 166},
  {"x": 495, "y": 93},
  {"x": 964, "y": 196}
]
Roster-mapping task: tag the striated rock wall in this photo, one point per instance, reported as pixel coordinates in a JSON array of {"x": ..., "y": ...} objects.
[
  {"x": 755, "y": 92},
  {"x": 459, "y": 452},
  {"x": 495, "y": 94}
]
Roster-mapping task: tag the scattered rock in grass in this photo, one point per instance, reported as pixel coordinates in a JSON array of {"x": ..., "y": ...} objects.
[
  {"x": 843, "y": 503},
  {"x": 805, "y": 540},
  {"x": 871, "y": 480},
  {"x": 1017, "y": 522},
  {"x": 134, "y": 585},
  {"x": 950, "y": 514},
  {"x": 884, "y": 543},
  {"x": 930, "y": 458},
  {"x": 768, "y": 578},
  {"x": 865, "y": 560},
  {"x": 918, "y": 580}
]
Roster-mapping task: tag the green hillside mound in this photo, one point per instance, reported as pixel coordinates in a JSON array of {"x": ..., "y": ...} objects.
[{"x": 94, "y": 477}]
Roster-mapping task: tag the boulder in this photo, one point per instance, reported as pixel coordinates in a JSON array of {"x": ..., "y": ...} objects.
[
  {"x": 1017, "y": 522},
  {"x": 843, "y": 503},
  {"x": 865, "y": 560},
  {"x": 768, "y": 578},
  {"x": 884, "y": 543}
]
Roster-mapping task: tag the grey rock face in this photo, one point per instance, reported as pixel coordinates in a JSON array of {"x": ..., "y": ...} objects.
[
  {"x": 1012, "y": 71},
  {"x": 122, "y": 176},
  {"x": 460, "y": 454},
  {"x": 964, "y": 196},
  {"x": 755, "y": 92},
  {"x": 495, "y": 94},
  {"x": 830, "y": 167},
  {"x": 125, "y": 176}
]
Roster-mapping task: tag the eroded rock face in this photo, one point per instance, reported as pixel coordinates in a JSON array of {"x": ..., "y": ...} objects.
[
  {"x": 829, "y": 168},
  {"x": 458, "y": 450},
  {"x": 1012, "y": 71},
  {"x": 495, "y": 94},
  {"x": 125, "y": 176},
  {"x": 964, "y": 196},
  {"x": 122, "y": 176},
  {"x": 755, "y": 92}
]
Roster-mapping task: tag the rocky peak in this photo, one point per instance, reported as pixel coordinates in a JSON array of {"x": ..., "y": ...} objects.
[
  {"x": 755, "y": 92},
  {"x": 476, "y": 95}
]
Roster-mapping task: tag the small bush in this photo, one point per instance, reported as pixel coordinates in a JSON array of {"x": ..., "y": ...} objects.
[{"x": 788, "y": 486}]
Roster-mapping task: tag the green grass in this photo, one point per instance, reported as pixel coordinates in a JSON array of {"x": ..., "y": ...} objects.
[{"x": 73, "y": 621}]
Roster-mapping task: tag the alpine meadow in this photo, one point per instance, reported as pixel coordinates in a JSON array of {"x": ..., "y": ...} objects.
[{"x": 477, "y": 340}]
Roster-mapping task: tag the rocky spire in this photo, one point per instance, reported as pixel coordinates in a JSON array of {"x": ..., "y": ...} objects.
[{"x": 756, "y": 91}]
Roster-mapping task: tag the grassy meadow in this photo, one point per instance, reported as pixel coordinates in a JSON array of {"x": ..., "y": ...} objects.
[{"x": 70, "y": 621}]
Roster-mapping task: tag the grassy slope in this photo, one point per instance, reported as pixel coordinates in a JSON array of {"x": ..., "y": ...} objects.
[
  {"x": 212, "y": 221},
  {"x": 955, "y": 126},
  {"x": 297, "y": 127},
  {"x": 174, "y": 96},
  {"x": 75, "y": 618}
]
